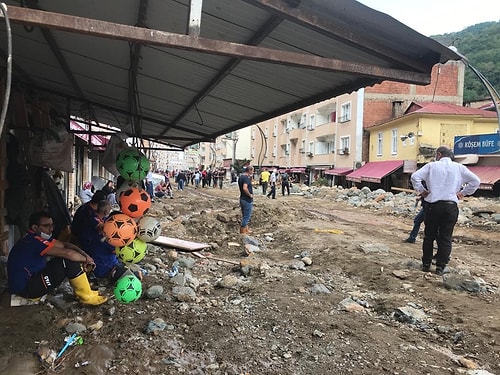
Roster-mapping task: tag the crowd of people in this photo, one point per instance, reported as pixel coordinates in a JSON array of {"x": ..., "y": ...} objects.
[{"x": 39, "y": 263}]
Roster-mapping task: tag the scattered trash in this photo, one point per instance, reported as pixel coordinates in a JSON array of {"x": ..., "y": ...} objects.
[
  {"x": 81, "y": 364},
  {"x": 331, "y": 231},
  {"x": 74, "y": 339},
  {"x": 174, "y": 271}
]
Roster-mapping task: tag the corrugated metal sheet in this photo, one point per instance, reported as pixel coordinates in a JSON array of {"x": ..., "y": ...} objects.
[{"x": 195, "y": 89}]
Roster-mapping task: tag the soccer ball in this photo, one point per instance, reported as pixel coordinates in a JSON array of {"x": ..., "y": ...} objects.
[
  {"x": 149, "y": 229},
  {"x": 128, "y": 288},
  {"x": 132, "y": 164},
  {"x": 120, "y": 230},
  {"x": 132, "y": 253},
  {"x": 134, "y": 202},
  {"x": 126, "y": 185}
]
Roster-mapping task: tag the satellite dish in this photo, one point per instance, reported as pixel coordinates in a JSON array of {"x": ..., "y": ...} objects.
[{"x": 411, "y": 135}]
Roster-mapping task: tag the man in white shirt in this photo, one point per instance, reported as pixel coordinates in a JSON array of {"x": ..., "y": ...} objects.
[
  {"x": 447, "y": 182},
  {"x": 272, "y": 183}
]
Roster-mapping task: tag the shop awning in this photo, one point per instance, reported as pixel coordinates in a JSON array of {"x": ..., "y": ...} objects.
[
  {"x": 297, "y": 170},
  {"x": 489, "y": 175},
  {"x": 98, "y": 141},
  {"x": 339, "y": 171},
  {"x": 374, "y": 171}
]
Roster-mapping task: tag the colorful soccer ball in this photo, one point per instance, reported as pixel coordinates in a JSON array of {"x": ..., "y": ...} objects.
[
  {"x": 149, "y": 229},
  {"x": 120, "y": 230},
  {"x": 126, "y": 185},
  {"x": 133, "y": 252},
  {"x": 128, "y": 288},
  {"x": 134, "y": 202},
  {"x": 132, "y": 164}
]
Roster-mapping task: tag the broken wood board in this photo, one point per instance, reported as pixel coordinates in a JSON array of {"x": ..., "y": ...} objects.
[
  {"x": 209, "y": 256},
  {"x": 179, "y": 244}
]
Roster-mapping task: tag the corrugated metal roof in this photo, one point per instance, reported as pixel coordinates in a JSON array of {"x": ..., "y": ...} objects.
[{"x": 253, "y": 60}]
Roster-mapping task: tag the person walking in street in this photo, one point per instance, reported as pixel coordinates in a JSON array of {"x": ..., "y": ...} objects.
[
  {"x": 446, "y": 182},
  {"x": 272, "y": 184},
  {"x": 264, "y": 180},
  {"x": 246, "y": 198}
]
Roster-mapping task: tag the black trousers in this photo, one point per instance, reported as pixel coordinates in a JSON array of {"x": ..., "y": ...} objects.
[
  {"x": 440, "y": 219},
  {"x": 272, "y": 193},
  {"x": 285, "y": 186},
  {"x": 51, "y": 277}
]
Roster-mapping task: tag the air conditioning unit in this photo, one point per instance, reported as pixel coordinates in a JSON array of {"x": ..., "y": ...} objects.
[
  {"x": 340, "y": 151},
  {"x": 357, "y": 164},
  {"x": 301, "y": 150},
  {"x": 309, "y": 154}
]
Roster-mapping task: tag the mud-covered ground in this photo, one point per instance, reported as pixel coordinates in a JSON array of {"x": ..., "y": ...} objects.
[{"x": 326, "y": 289}]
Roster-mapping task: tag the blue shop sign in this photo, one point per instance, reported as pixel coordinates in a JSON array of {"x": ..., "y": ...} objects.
[{"x": 482, "y": 144}]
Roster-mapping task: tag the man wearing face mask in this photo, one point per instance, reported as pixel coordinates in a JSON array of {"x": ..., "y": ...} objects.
[{"x": 32, "y": 276}]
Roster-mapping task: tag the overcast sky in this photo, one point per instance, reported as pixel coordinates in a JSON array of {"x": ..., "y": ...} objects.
[{"x": 432, "y": 17}]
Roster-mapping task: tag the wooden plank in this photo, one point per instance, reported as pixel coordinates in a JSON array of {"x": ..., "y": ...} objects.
[
  {"x": 179, "y": 244},
  {"x": 403, "y": 189}
]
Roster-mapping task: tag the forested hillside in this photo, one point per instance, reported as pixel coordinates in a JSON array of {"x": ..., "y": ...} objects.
[{"x": 481, "y": 45}]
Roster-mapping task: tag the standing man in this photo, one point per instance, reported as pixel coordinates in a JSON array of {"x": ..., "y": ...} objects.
[
  {"x": 447, "y": 182},
  {"x": 285, "y": 184},
  {"x": 149, "y": 185},
  {"x": 264, "y": 179},
  {"x": 272, "y": 184},
  {"x": 246, "y": 198}
]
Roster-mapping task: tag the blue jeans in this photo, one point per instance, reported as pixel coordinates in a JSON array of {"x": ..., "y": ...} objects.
[
  {"x": 246, "y": 212},
  {"x": 180, "y": 184},
  {"x": 417, "y": 221}
]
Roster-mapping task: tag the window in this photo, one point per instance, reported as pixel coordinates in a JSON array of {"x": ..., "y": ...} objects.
[
  {"x": 345, "y": 112},
  {"x": 310, "y": 148},
  {"x": 311, "y": 122},
  {"x": 394, "y": 141},
  {"x": 345, "y": 145},
  {"x": 253, "y": 133},
  {"x": 380, "y": 143},
  {"x": 275, "y": 130},
  {"x": 266, "y": 133},
  {"x": 253, "y": 152},
  {"x": 274, "y": 150}
]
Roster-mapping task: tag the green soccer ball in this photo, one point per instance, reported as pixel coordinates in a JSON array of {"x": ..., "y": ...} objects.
[
  {"x": 132, "y": 164},
  {"x": 132, "y": 253},
  {"x": 128, "y": 288}
]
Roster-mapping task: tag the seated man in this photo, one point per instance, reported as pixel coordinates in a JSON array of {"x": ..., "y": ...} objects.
[
  {"x": 107, "y": 264},
  {"x": 30, "y": 275},
  {"x": 161, "y": 190}
]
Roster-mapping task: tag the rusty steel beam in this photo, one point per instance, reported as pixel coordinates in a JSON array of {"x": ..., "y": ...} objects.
[
  {"x": 116, "y": 31},
  {"x": 258, "y": 37},
  {"x": 336, "y": 29}
]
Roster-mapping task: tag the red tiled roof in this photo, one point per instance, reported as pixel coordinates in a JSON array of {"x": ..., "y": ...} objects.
[{"x": 448, "y": 109}]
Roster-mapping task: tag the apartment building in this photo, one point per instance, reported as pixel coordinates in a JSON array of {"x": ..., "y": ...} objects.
[{"x": 331, "y": 137}]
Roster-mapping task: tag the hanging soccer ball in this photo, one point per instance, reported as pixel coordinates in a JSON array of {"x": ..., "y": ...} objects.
[
  {"x": 133, "y": 252},
  {"x": 134, "y": 202},
  {"x": 120, "y": 230},
  {"x": 128, "y": 288},
  {"x": 132, "y": 164},
  {"x": 149, "y": 229},
  {"x": 126, "y": 185}
]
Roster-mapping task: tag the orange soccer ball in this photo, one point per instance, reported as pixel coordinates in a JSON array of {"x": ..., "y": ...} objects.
[
  {"x": 134, "y": 202},
  {"x": 120, "y": 230}
]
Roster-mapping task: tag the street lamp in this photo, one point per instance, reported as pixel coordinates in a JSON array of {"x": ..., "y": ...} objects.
[{"x": 489, "y": 87}]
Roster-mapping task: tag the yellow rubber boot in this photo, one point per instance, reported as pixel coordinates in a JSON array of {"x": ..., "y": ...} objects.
[{"x": 82, "y": 290}]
